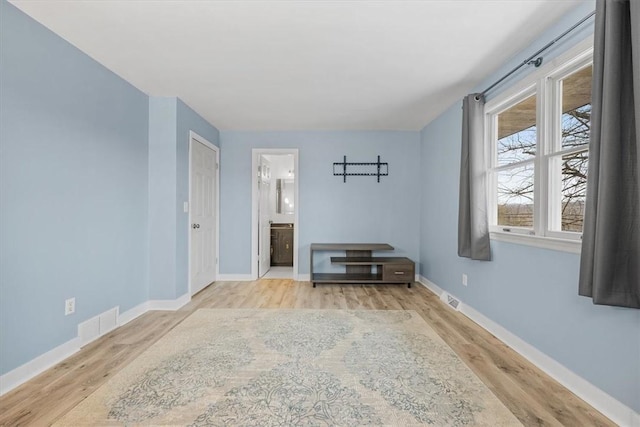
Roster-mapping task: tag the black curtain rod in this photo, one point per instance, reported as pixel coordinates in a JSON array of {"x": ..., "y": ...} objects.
[{"x": 538, "y": 61}]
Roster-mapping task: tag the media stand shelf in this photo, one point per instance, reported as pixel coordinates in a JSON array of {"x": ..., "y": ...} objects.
[{"x": 359, "y": 263}]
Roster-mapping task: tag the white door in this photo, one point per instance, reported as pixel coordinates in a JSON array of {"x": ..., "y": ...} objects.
[
  {"x": 264, "y": 223},
  {"x": 203, "y": 216}
]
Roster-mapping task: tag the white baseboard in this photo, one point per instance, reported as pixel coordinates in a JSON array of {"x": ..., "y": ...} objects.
[
  {"x": 302, "y": 277},
  {"x": 615, "y": 410},
  {"x": 23, "y": 373},
  {"x": 430, "y": 285},
  {"x": 169, "y": 304},
  {"x": 307, "y": 277},
  {"x": 132, "y": 313},
  {"x": 234, "y": 278}
]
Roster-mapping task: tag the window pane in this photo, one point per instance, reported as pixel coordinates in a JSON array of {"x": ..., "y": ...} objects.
[
  {"x": 574, "y": 190},
  {"x": 576, "y": 108},
  {"x": 517, "y": 132},
  {"x": 515, "y": 196}
]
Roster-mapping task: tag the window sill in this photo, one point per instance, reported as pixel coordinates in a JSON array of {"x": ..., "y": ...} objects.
[{"x": 553, "y": 243}]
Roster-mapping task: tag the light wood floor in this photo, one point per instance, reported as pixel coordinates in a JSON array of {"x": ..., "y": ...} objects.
[{"x": 531, "y": 395}]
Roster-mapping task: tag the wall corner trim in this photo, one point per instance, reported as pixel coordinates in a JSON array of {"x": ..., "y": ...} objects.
[{"x": 610, "y": 407}]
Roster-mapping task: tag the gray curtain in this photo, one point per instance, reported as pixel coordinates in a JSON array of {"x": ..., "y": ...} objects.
[
  {"x": 610, "y": 260},
  {"x": 473, "y": 226}
]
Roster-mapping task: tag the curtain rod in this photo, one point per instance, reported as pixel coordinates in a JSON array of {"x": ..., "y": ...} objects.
[{"x": 538, "y": 61}]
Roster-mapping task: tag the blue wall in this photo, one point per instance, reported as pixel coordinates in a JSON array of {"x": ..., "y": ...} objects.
[
  {"x": 361, "y": 210},
  {"x": 162, "y": 198},
  {"x": 73, "y": 189},
  {"x": 530, "y": 291}
]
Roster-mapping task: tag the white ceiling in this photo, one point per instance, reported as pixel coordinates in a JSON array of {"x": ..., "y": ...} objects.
[{"x": 303, "y": 65}]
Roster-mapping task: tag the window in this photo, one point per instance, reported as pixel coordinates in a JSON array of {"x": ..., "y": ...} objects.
[
  {"x": 538, "y": 137},
  {"x": 569, "y": 151},
  {"x": 515, "y": 169}
]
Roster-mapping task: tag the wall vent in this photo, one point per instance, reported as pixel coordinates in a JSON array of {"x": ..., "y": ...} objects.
[
  {"x": 109, "y": 320},
  {"x": 89, "y": 330},
  {"x": 97, "y": 326}
]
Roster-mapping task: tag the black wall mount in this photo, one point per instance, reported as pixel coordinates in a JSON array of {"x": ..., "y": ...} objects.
[{"x": 377, "y": 169}]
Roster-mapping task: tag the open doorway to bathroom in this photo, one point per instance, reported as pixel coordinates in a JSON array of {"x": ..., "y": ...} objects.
[{"x": 275, "y": 214}]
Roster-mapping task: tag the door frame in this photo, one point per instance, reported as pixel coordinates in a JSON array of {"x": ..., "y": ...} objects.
[
  {"x": 195, "y": 137},
  {"x": 255, "y": 154}
]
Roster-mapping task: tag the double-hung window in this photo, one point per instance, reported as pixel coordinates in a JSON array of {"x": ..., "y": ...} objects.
[{"x": 537, "y": 140}]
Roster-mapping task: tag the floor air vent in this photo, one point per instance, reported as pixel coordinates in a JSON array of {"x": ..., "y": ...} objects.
[{"x": 451, "y": 301}]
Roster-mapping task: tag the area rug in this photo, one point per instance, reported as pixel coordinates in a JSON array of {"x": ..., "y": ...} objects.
[{"x": 275, "y": 367}]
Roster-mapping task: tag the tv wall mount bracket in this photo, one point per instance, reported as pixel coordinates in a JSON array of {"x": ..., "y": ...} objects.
[{"x": 345, "y": 169}]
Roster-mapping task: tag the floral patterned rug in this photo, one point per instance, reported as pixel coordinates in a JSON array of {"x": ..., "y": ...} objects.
[{"x": 295, "y": 368}]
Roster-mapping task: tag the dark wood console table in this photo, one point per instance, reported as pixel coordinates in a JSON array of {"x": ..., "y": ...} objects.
[{"x": 359, "y": 262}]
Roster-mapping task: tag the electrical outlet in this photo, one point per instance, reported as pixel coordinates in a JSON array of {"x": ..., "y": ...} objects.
[
  {"x": 69, "y": 306},
  {"x": 464, "y": 279}
]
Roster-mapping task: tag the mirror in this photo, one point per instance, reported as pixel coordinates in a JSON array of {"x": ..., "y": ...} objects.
[{"x": 284, "y": 196}]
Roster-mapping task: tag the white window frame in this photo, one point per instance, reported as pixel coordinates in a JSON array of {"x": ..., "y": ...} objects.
[{"x": 544, "y": 82}]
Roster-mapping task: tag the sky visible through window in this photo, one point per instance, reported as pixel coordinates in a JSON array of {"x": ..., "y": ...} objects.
[{"x": 515, "y": 185}]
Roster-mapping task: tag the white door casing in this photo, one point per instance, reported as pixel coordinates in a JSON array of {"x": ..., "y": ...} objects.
[
  {"x": 203, "y": 215},
  {"x": 255, "y": 230},
  {"x": 264, "y": 238}
]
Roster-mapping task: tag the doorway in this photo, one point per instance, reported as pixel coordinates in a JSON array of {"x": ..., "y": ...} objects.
[
  {"x": 203, "y": 212},
  {"x": 275, "y": 219}
]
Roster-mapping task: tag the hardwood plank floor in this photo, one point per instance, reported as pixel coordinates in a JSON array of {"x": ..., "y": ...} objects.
[{"x": 533, "y": 397}]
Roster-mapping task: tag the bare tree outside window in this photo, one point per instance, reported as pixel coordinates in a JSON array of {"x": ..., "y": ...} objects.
[
  {"x": 576, "y": 125},
  {"x": 517, "y": 145},
  {"x": 575, "y": 132}
]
